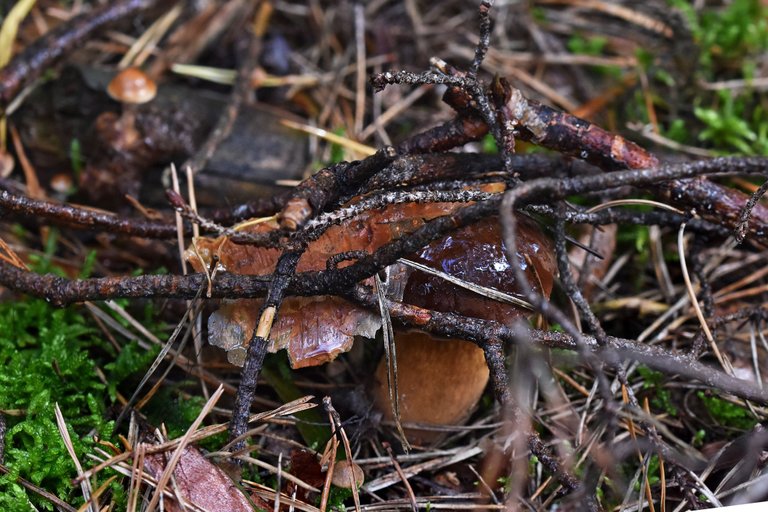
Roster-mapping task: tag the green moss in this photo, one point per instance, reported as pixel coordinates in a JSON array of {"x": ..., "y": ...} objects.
[
  {"x": 738, "y": 32},
  {"x": 488, "y": 144},
  {"x": 505, "y": 483},
  {"x": 49, "y": 356},
  {"x": 593, "y": 45},
  {"x": 653, "y": 384},
  {"x": 732, "y": 42},
  {"x": 726, "y": 413},
  {"x": 44, "y": 355},
  {"x": 652, "y": 472}
]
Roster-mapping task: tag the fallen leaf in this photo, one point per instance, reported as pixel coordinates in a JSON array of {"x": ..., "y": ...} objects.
[{"x": 198, "y": 482}]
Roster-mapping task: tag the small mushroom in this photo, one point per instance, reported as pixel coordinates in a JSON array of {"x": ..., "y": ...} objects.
[
  {"x": 61, "y": 183},
  {"x": 131, "y": 87},
  {"x": 347, "y": 474},
  {"x": 440, "y": 381}
]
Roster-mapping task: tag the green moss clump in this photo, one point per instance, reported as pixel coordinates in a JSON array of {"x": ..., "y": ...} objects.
[
  {"x": 653, "y": 383},
  {"x": 726, "y": 413},
  {"x": 47, "y": 356}
]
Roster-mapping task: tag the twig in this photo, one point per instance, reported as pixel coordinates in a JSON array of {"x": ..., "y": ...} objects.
[
  {"x": 403, "y": 478},
  {"x": 257, "y": 348},
  {"x": 315, "y": 193},
  {"x": 746, "y": 213},
  {"x": 61, "y": 291},
  {"x": 83, "y": 218},
  {"x": 485, "y": 36}
]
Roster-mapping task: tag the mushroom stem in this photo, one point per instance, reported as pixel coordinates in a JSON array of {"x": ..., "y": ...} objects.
[
  {"x": 439, "y": 383},
  {"x": 126, "y": 127}
]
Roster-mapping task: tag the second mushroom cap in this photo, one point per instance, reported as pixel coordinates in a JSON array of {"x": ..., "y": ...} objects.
[{"x": 132, "y": 86}]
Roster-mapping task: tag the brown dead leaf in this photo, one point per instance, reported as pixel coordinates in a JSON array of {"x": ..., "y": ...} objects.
[
  {"x": 314, "y": 330},
  {"x": 198, "y": 482}
]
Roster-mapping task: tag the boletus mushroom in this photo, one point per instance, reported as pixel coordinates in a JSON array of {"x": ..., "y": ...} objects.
[{"x": 440, "y": 380}]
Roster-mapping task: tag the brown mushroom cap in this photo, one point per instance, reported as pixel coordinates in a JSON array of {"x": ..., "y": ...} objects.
[
  {"x": 346, "y": 473},
  {"x": 61, "y": 183},
  {"x": 132, "y": 86},
  {"x": 476, "y": 254}
]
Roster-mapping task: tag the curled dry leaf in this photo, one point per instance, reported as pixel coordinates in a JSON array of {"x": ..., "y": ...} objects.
[
  {"x": 313, "y": 330},
  {"x": 198, "y": 482}
]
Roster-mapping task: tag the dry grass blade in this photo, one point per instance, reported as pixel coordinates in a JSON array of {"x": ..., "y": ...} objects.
[
  {"x": 460, "y": 502},
  {"x": 146, "y": 43},
  {"x": 85, "y": 483},
  {"x": 8, "y": 31},
  {"x": 344, "y": 142},
  {"x": 409, "y": 471},
  {"x": 10, "y": 256},
  {"x": 34, "y": 189},
  {"x": 97, "y": 493},
  {"x": 179, "y": 221},
  {"x": 268, "y": 495},
  {"x": 619, "y": 11},
  {"x": 647, "y": 132},
  {"x": 630, "y": 202},
  {"x": 393, "y": 111},
  {"x": 695, "y": 302},
  {"x": 329, "y": 454},
  {"x": 390, "y": 358},
  {"x": 296, "y": 406},
  {"x": 403, "y": 478},
  {"x": 269, "y": 467},
  {"x": 361, "y": 77},
  {"x": 484, "y": 291},
  {"x": 227, "y": 76},
  {"x": 137, "y": 475},
  {"x": 338, "y": 429}
]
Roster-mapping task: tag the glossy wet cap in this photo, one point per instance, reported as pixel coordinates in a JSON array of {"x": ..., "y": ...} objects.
[
  {"x": 133, "y": 86},
  {"x": 476, "y": 254}
]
